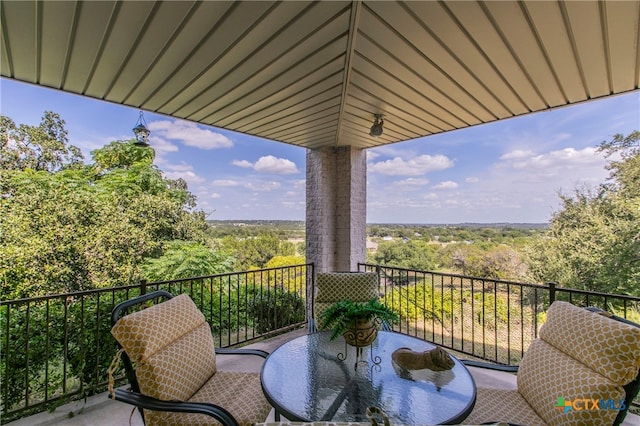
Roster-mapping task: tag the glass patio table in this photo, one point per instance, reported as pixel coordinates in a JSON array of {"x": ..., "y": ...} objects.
[{"x": 313, "y": 378}]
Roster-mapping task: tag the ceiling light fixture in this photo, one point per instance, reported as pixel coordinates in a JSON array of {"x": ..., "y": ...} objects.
[
  {"x": 376, "y": 129},
  {"x": 142, "y": 132}
]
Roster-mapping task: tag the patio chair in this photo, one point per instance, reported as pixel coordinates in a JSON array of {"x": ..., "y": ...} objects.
[
  {"x": 332, "y": 287},
  {"x": 579, "y": 357},
  {"x": 170, "y": 362}
]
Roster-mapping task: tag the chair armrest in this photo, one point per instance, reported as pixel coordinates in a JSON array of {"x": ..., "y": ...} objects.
[
  {"x": 497, "y": 367},
  {"x": 148, "y": 403},
  {"x": 258, "y": 352}
]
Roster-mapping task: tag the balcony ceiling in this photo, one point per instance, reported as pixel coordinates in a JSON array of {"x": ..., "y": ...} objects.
[{"x": 313, "y": 74}]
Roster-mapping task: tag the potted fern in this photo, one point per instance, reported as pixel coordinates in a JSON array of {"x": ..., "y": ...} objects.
[{"x": 357, "y": 322}]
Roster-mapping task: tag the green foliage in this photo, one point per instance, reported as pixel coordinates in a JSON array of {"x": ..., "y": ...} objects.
[
  {"x": 289, "y": 279},
  {"x": 42, "y": 148},
  {"x": 257, "y": 251},
  {"x": 421, "y": 301},
  {"x": 68, "y": 342},
  {"x": 487, "y": 260},
  {"x": 412, "y": 254},
  {"x": 185, "y": 259},
  {"x": 338, "y": 316},
  {"x": 594, "y": 240},
  {"x": 276, "y": 309},
  {"x": 69, "y": 227},
  {"x": 118, "y": 155},
  {"x": 283, "y": 261}
]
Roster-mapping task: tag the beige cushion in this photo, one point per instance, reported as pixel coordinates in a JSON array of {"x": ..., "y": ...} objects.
[
  {"x": 143, "y": 333},
  {"x": 238, "y": 392},
  {"x": 546, "y": 373},
  {"x": 609, "y": 347},
  {"x": 332, "y": 287},
  {"x": 336, "y": 286},
  {"x": 493, "y": 405},
  {"x": 579, "y": 355},
  {"x": 172, "y": 347},
  {"x": 178, "y": 370},
  {"x": 321, "y": 423}
]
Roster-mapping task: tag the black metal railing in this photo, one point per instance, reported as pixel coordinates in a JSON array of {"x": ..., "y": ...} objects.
[
  {"x": 58, "y": 348},
  {"x": 492, "y": 320},
  {"x": 487, "y": 319}
]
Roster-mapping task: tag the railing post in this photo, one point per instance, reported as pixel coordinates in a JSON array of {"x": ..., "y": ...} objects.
[
  {"x": 143, "y": 287},
  {"x": 552, "y": 292}
]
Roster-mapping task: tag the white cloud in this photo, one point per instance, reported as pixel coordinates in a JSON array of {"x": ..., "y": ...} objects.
[
  {"x": 225, "y": 182},
  {"x": 242, "y": 163},
  {"x": 417, "y": 166},
  {"x": 371, "y": 155},
  {"x": 411, "y": 182},
  {"x": 215, "y": 195},
  {"x": 517, "y": 155},
  {"x": 560, "y": 159},
  {"x": 520, "y": 186},
  {"x": 182, "y": 171},
  {"x": 263, "y": 186},
  {"x": 161, "y": 145},
  {"x": 273, "y": 165},
  {"x": 446, "y": 185},
  {"x": 269, "y": 165},
  {"x": 190, "y": 134},
  {"x": 414, "y": 181}
]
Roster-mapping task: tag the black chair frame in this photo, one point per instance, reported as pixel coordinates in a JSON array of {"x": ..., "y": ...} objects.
[{"x": 142, "y": 402}]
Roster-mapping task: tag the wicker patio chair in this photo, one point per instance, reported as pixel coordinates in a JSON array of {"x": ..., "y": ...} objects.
[
  {"x": 579, "y": 357},
  {"x": 170, "y": 360}
]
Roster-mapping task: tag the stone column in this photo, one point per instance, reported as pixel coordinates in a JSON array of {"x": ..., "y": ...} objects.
[{"x": 336, "y": 208}]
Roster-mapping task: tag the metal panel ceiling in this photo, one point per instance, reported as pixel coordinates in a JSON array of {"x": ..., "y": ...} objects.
[{"x": 313, "y": 74}]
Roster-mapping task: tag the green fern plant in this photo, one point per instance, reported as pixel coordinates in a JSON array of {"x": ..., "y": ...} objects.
[{"x": 340, "y": 315}]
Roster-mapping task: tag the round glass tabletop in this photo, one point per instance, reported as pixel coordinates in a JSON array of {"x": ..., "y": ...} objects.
[{"x": 312, "y": 378}]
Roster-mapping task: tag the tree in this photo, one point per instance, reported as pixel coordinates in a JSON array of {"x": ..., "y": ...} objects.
[
  {"x": 413, "y": 254},
  {"x": 67, "y": 226},
  {"x": 42, "y": 148},
  {"x": 594, "y": 239},
  {"x": 185, "y": 259},
  {"x": 257, "y": 251}
]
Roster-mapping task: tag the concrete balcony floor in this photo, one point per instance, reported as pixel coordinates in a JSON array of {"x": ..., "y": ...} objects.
[{"x": 99, "y": 410}]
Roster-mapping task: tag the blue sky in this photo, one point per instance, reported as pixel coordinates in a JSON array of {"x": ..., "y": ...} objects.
[{"x": 510, "y": 171}]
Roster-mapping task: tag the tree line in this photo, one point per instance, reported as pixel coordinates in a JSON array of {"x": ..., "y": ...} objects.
[
  {"x": 591, "y": 243},
  {"x": 70, "y": 224}
]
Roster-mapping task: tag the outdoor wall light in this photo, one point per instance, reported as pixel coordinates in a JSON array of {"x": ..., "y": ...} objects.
[
  {"x": 376, "y": 129},
  {"x": 142, "y": 132}
]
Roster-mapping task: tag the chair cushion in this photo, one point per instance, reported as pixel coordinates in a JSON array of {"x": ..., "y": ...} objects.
[
  {"x": 181, "y": 368},
  {"x": 335, "y": 286},
  {"x": 546, "y": 374},
  {"x": 609, "y": 347},
  {"x": 143, "y": 333},
  {"x": 239, "y": 393},
  {"x": 172, "y": 347},
  {"x": 323, "y": 423},
  {"x": 494, "y": 405},
  {"x": 332, "y": 287}
]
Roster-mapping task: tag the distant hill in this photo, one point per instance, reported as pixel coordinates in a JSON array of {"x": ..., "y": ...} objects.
[
  {"x": 301, "y": 224},
  {"x": 499, "y": 225}
]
